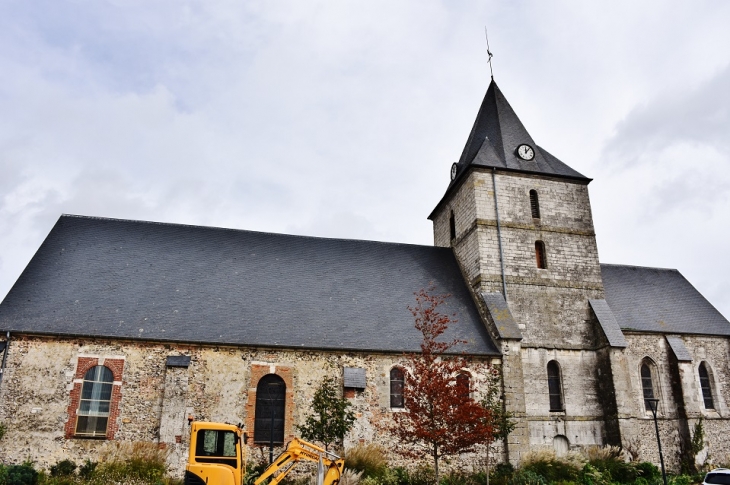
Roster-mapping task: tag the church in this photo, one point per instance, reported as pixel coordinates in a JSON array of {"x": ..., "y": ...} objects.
[{"x": 118, "y": 330}]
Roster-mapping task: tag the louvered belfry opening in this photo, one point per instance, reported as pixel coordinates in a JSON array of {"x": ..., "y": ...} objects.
[
  {"x": 534, "y": 204},
  {"x": 540, "y": 255}
]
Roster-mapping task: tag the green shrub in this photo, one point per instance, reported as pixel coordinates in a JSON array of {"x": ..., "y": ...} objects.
[
  {"x": 590, "y": 475},
  {"x": 87, "y": 469},
  {"x": 501, "y": 474},
  {"x": 23, "y": 474},
  {"x": 463, "y": 478},
  {"x": 63, "y": 468},
  {"x": 423, "y": 475},
  {"x": 553, "y": 470},
  {"x": 647, "y": 471},
  {"x": 527, "y": 477},
  {"x": 680, "y": 480},
  {"x": 369, "y": 459}
]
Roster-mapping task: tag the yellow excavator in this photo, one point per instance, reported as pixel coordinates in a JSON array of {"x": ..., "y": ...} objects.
[{"x": 217, "y": 457}]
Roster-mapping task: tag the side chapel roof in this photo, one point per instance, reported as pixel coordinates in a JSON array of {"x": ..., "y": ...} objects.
[
  {"x": 659, "y": 300},
  {"x": 169, "y": 282}
]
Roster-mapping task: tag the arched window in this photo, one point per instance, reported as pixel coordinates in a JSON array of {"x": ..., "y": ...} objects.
[
  {"x": 555, "y": 387},
  {"x": 706, "y": 387},
  {"x": 397, "y": 382},
  {"x": 452, "y": 226},
  {"x": 92, "y": 418},
  {"x": 534, "y": 204},
  {"x": 463, "y": 385},
  {"x": 270, "y": 404},
  {"x": 540, "y": 254},
  {"x": 647, "y": 384}
]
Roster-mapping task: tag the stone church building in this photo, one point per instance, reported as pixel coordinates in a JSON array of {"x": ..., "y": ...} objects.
[{"x": 119, "y": 330}]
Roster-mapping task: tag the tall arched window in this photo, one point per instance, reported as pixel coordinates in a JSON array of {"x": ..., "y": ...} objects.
[
  {"x": 534, "y": 204},
  {"x": 555, "y": 386},
  {"x": 706, "y": 387},
  {"x": 92, "y": 418},
  {"x": 397, "y": 382},
  {"x": 452, "y": 226},
  {"x": 647, "y": 384},
  {"x": 540, "y": 254},
  {"x": 270, "y": 407},
  {"x": 463, "y": 385}
]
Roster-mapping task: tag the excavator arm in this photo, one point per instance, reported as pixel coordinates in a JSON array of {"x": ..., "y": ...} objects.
[{"x": 296, "y": 451}]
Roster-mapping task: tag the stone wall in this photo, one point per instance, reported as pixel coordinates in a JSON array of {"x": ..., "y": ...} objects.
[
  {"x": 156, "y": 400},
  {"x": 677, "y": 414}
]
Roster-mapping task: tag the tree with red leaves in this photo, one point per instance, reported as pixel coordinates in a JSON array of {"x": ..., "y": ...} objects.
[{"x": 440, "y": 418}]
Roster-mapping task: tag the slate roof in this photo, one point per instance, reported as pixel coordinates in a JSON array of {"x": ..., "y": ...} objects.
[
  {"x": 608, "y": 323},
  {"x": 150, "y": 281},
  {"x": 494, "y": 137},
  {"x": 659, "y": 300}
]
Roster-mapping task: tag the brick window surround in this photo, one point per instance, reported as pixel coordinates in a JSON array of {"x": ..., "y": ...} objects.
[
  {"x": 82, "y": 366},
  {"x": 257, "y": 372}
]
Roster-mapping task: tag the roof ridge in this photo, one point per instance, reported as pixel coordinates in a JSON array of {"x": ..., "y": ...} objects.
[
  {"x": 231, "y": 229},
  {"x": 637, "y": 266}
]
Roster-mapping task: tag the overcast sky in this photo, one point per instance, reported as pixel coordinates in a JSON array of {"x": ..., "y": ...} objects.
[{"x": 342, "y": 118}]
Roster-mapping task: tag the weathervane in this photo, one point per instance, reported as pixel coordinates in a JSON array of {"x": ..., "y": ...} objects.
[{"x": 489, "y": 53}]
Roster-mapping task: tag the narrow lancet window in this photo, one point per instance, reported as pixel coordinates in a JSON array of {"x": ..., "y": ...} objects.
[
  {"x": 540, "y": 255},
  {"x": 397, "y": 381},
  {"x": 534, "y": 204},
  {"x": 555, "y": 387},
  {"x": 647, "y": 385},
  {"x": 452, "y": 226},
  {"x": 706, "y": 387}
]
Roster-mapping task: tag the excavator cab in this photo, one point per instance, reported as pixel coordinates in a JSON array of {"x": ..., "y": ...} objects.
[
  {"x": 215, "y": 455},
  {"x": 216, "y": 458}
]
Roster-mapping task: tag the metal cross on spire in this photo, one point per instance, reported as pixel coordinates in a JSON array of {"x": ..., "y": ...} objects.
[{"x": 489, "y": 53}]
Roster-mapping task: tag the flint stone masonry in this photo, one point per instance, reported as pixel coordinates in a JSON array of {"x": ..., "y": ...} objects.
[{"x": 156, "y": 399}]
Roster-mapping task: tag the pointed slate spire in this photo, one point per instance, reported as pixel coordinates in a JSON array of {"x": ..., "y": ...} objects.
[{"x": 495, "y": 136}]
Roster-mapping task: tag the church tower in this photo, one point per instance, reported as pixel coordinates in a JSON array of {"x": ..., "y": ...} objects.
[{"x": 519, "y": 221}]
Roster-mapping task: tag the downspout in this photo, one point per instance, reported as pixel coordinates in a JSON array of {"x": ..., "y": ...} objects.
[
  {"x": 499, "y": 235},
  {"x": 5, "y": 357}
]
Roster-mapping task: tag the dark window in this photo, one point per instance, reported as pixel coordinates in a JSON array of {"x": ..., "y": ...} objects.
[
  {"x": 92, "y": 417},
  {"x": 706, "y": 387},
  {"x": 463, "y": 386},
  {"x": 452, "y": 226},
  {"x": 554, "y": 386},
  {"x": 534, "y": 204},
  {"x": 647, "y": 384},
  {"x": 540, "y": 254},
  {"x": 397, "y": 381},
  {"x": 270, "y": 404}
]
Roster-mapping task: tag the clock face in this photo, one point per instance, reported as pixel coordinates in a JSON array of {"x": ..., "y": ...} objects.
[
  {"x": 453, "y": 171},
  {"x": 525, "y": 152}
]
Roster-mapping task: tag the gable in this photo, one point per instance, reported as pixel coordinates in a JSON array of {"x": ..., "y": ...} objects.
[{"x": 149, "y": 281}]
